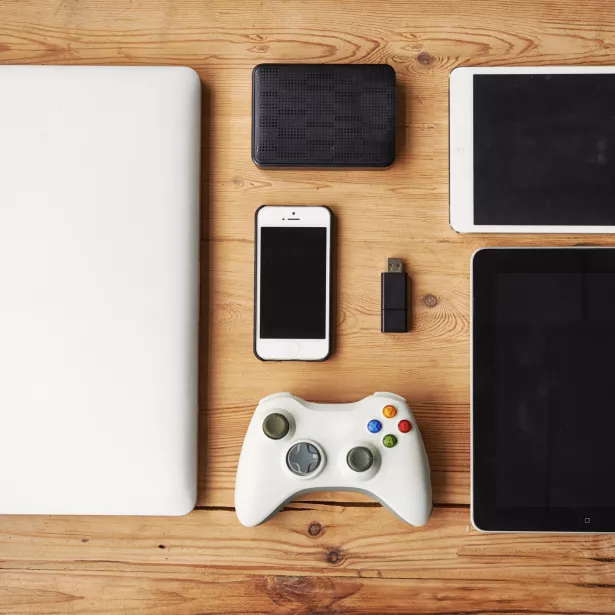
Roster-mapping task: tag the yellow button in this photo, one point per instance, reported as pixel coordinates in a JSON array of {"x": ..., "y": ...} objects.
[{"x": 389, "y": 411}]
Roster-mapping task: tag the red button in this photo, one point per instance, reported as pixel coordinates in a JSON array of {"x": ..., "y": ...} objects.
[{"x": 404, "y": 426}]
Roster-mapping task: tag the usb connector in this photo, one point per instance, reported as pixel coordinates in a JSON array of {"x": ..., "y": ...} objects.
[
  {"x": 395, "y": 265},
  {"x": 394, "y": 289}
]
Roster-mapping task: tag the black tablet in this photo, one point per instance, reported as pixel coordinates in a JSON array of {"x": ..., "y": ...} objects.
[{"x": 543, "y": 389}]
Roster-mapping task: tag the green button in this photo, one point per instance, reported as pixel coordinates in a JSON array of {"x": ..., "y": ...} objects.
[
  {"x": 389, "y": 441},
  {"x": 275, "y": 426}
]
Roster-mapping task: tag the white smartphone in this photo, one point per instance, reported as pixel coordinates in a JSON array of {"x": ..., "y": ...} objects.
[
  {"x": 292, "y": 303},
  {"x": 531, "y": 149}
]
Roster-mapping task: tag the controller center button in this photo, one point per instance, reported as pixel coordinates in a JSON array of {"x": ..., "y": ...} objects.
[
  {"x": 404, "y": 426},
  {"x": 275, "y": 426},
  {"x": 374, "y": 426},
  {"x": 389, "y": 441},
  {"x": 359, "y": 459},
  {"x": 303, "y": 458},
  {"x": 389, "y": 411}
]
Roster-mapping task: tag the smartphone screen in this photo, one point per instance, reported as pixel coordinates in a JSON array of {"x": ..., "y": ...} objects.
[{"x": 293, "y": 278}]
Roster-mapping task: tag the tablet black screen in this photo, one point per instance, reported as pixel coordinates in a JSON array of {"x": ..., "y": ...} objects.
[
  {"x": 544, "y": 389},
  {"x": 544, "y": 149}
]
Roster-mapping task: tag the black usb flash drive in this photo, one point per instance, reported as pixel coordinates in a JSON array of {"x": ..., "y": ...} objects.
[{"x": 394, "y": 292}]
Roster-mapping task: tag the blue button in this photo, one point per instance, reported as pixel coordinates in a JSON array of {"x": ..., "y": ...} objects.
[{"x": 374, "y": 426}]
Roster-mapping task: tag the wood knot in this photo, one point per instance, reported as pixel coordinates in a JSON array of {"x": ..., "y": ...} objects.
[
  {"x": 307, "y": 594},
  {"x": 161, "y": 547},
  {"x": 85, "y": 540},
  {"x": 314, "y": 529},
  {"x": 430, "y": 301},
  {"x": 334, "y": 556},
  {"x": 425, "y": 58}
]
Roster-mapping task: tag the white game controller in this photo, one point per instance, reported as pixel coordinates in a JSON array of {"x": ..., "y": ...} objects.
[{"x": 294, "y": 447}]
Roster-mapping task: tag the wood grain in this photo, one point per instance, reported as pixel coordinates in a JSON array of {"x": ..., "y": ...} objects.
[
  {"x": 328, "y": 552},
  {"x": 308, "y": 559},
  {"x": 306, "y": 539},
  {"x": 179, "y": 593}
]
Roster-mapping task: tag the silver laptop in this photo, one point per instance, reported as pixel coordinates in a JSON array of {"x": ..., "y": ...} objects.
[{"x": 99, "y": 236}]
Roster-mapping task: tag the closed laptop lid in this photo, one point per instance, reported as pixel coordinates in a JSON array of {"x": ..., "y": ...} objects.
[{"x": 99, "y": 234}]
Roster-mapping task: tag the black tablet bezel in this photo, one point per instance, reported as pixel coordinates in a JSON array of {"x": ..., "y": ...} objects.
[{"x": 486, "y": 264}]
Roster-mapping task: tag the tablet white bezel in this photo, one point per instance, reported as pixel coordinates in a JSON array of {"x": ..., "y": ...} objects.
[{"x": 461, "y": 149}]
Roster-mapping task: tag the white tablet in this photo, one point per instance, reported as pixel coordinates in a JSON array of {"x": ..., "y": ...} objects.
[{"x": 532, "y": 150}]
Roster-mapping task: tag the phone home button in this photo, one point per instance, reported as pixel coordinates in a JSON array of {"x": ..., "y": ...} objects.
[{"x": 289, "y": 349}]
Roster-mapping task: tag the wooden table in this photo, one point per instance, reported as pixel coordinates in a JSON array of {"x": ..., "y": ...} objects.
[{"x": 329, "y": 552}]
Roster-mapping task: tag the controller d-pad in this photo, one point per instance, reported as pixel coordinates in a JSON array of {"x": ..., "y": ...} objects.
[{"x": 303, "y": 458}]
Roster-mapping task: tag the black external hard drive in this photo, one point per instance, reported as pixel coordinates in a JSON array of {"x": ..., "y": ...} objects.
[{"x": 323, "y": 115}]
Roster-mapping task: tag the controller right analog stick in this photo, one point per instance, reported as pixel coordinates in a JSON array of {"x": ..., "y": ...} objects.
[{"x": 360, "y": 459}]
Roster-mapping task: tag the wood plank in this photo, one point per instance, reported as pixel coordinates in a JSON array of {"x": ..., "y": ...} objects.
[
  {"x": 220, "y": 34},
  {"x": 306, "y": 539},
  {"x": 181, "y": 593}
]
